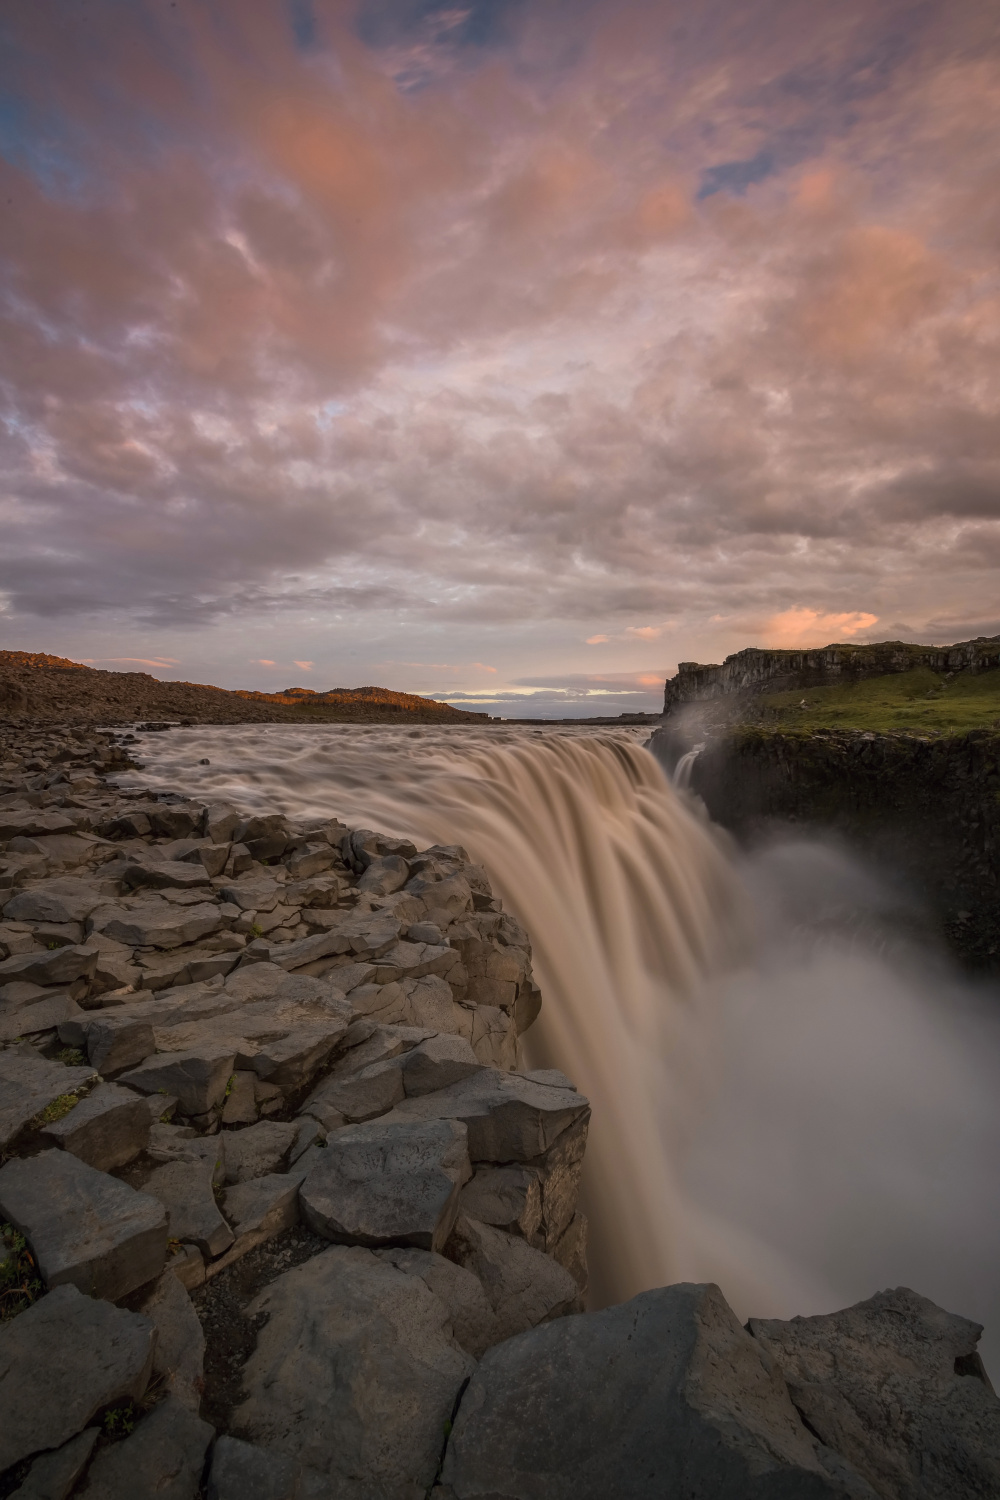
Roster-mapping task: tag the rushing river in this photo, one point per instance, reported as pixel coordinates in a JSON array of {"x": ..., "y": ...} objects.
[{"x": 788, "y": 1097}]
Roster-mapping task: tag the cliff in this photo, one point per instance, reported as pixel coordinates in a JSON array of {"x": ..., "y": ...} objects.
[{"x": 755, "y": 670}]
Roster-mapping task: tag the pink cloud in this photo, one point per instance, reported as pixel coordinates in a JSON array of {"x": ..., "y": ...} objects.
[{"x": 810, "y": 627}]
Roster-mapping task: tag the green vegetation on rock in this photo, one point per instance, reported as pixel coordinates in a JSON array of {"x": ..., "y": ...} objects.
[{"x": 921, "y": 700}]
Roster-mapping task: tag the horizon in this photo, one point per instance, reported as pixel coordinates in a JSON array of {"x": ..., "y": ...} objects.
[{"x": 502, "y": 354}]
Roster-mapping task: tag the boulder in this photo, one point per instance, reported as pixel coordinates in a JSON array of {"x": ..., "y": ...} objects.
[
  {"x": 261, "y": 1208},
  {"x": 115, "y": 1043},
  {"x": 106, "y": 1129},
  {"x": 179, "y": 1359},
  {"x": 473, "y": 1324},
  {"x": 186, "y": 1191},
  {"x": 291, "y": 1061},
  {"x": 240, "y": 1107},
  {"x": 509, "y": 1198},
  {"x": 50, "y": 966},
  {"x": 156, "y": 924},
  {"x": 523, "y": 1286},
  {"x": 29, "y": 822},
  {"x": 365, "y": 1096},
  {"x": 84, "y": 1226},
  {"x": 197, "y": 1079},
  {"x": 509, "y": 1116},
  {"x": 258, "y": 1150},
  {"x": 53, "y": 1475},
  {"x": 437, "y": 1062},
  {"x": 65, "y": 899},
  {"x": 53, "y": 1009},
  {"x": 61, "y": 1362},
  {"x": 146, "y": 871},
  {"x": 382, "y": 1183},
  {"x": 384, "y": 874},
  {"x": 164, "y": 1456},
  {"x": 662, "y": 1395},
  {"x": 242, "y": 1471},
  {"x": 360, "y": 1398},
  {"x": 168, "y": 1142},
  {"x": 895, "y": 1386}
]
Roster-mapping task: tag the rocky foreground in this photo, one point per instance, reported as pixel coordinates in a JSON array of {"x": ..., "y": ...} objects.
[{"x": 283, "y": 1219}]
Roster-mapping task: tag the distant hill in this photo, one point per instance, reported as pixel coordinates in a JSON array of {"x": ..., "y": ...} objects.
[{"x": 35, "y": 687}]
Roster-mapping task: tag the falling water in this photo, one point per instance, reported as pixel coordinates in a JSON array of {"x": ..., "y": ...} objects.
[{"x": 780, "y": 1102}]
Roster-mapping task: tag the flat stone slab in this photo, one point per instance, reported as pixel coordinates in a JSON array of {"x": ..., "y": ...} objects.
[
  {"x": 291, "y": 1061},
  {"x": 164, "y": 1456},
  {"x": 65, "y": 899},
  {"x": 106, "y": 1129},
  {"x": 196, "y": 1079},
  {"x": 509, "y": 1116},
  {"x": 63, "y": 1360},
  {"x": 29, "y": 1085},
  {"x": 258, "y": 1150},
  {"x": 260, "y": 1209},
  {"x": 365, "y": 1096},
  {"x": 50, "y": 966},
  {"x": 160, "y": 924},
  {"x": 83, "y": 1226},
  {"x": 355, "y": 1374},
  {"x": 185, "y": 1189},
  {"x": 157, "y": 875},
  {"x": 437, "y": 1063},
  {"x": 52, "y": 1010},
  {"x": 383, "y": 1183},
  {"x": 30, "y": 822}
]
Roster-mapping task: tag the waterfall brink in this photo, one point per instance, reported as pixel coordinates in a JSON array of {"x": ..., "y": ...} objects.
[
  {"x": 788, "y": 1098},
  {"x": 626, "y": 895}
]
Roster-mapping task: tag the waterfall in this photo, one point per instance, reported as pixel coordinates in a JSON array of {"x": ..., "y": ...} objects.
[{"x": 730, "y": 1045}]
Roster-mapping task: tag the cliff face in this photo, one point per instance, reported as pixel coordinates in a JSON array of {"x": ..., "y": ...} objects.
[
  {"x": 926, "y": 810},
  {"x": 754, "y": 670}
]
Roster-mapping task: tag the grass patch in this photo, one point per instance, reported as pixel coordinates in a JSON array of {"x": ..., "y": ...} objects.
[
  {"x": 20, "y": 1283},
  {"x": 56, "y": 1110},
  {"x": 921, "y": 700}
]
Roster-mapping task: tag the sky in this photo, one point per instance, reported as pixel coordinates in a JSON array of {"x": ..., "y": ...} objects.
[{"x": 505, "y": 351}]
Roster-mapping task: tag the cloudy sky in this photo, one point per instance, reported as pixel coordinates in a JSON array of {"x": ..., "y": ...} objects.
[{"x": 503, "y": 350}]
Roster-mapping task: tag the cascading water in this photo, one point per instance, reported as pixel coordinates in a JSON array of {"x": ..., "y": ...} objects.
[{"x": 775, "y": 1106}]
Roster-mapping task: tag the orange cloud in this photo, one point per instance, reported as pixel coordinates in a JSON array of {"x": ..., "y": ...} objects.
[
  {"x": 597, "y": 640},
  {"x": 809, "y": 627},
  {"x": 644, "y": 632},
  {"x": 306, "y": 666}
]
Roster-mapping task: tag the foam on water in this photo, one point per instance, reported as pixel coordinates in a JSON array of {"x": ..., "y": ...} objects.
[{"x": 787, "y": 1099}]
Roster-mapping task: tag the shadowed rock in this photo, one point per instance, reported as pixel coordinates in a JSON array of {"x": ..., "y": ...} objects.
[
  {"x": 83, "y": 1226},
  {"x": 61, "y": 1362}
]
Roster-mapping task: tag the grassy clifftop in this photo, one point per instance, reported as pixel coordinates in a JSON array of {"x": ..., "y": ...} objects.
[{"x": 920, "y": 700}]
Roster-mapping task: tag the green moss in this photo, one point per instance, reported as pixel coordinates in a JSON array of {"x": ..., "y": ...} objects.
[
  {"x": 71, "y": 1056},
  {"x": 921, "y": 701},
  {"x": 55, "y": 1111}
]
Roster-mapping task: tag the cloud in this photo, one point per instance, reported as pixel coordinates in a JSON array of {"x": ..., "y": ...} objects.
[
  {"x": 388, "y": 324},
  {"x": 305, "y": 666},
  {"x": 810, "y": 627}
]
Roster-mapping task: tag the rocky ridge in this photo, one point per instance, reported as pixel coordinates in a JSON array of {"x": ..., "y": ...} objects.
[
  {"x": 283, "y": 1217},
  {"x": 39, "y": 689}
]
